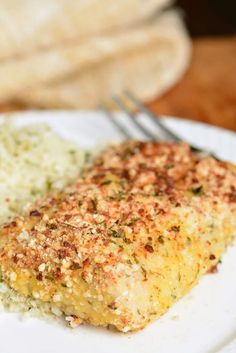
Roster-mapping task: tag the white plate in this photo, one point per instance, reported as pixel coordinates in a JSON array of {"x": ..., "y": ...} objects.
[{"x": 204, "y": 321}]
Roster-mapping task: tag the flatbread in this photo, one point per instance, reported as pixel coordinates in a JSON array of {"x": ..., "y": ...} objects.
[
  {"x": 147, "y": 63},
  {"x": 28, "y": 25},
  {"x": 147, "y": 60}
]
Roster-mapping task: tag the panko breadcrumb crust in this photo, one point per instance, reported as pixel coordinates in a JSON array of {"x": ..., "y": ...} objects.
[{"x": 134, "y": 233}]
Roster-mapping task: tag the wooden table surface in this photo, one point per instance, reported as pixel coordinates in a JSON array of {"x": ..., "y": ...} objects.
[{"x": 208, "y": 90}]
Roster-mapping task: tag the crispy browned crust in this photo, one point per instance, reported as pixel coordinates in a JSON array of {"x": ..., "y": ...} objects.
[{"x": 131, "y": 236}]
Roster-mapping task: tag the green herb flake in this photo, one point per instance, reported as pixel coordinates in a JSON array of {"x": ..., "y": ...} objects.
[
  {"x": 117, "y": 234},
  {"x": 133, "y": 221},
  {"x": 49, "y": 185},
  {"x": 87, "y": 156},
  {"x": 161, "y": 239},
  {"x": 189, "y": 240},
  {"x": 198, "y": 191},
  {"x": 94, "y": 204},
  {"x": 106, "y": 182},
  {"x": 144, "y": 272},
  {"x": 169, "y": 166},
  {"x": 175, "y": 228},
  {"x": 75, "y": 266},
  {"x": 120, "y": 195}
]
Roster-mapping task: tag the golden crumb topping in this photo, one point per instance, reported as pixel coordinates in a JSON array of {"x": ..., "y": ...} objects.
[{"x": 113, "y": 214}]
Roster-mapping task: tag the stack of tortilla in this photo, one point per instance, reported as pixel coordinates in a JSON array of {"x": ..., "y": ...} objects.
[{"x": 75, "y": 53}]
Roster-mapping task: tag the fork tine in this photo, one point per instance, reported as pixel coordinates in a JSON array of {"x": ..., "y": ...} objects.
[
  {"x": 120, "y": 104},
  {"x": 169, "y": 133},
  {"x": 154, "y": 118},
  {"x": 114, "y": 122}
]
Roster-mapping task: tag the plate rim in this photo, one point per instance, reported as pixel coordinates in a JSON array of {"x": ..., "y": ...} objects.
[{"x": 84, "y": 111}]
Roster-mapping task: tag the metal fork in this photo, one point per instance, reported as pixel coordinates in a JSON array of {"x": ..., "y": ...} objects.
[{"x": 123, "y": 104}]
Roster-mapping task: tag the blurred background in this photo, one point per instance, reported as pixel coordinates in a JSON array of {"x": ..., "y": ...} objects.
[
  {"x": 210, "y": 17},
  {"x": 208, "y": 90},
  {"x": 179, "y": 58}
]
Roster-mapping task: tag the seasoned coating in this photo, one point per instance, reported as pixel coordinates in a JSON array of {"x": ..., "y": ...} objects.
[{"x": 128, "y": 239}]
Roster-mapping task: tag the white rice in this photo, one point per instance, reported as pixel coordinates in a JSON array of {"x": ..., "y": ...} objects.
[{"x": 33, "y": 160}]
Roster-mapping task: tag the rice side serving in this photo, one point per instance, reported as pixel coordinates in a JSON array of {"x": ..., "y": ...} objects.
[{"x": 33, "y": 160}]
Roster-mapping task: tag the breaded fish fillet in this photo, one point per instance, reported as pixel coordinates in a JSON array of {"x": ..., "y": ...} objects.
[{"x": 128, "y": 239}]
